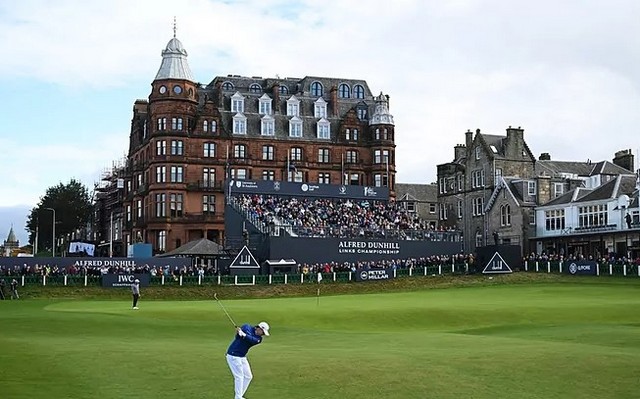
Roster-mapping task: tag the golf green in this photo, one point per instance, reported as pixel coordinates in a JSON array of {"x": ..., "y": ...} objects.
[{"x": 504, "y": 341}]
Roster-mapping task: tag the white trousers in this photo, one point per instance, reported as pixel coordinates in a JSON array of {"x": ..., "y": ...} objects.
[{"x": 242, "y": 376}]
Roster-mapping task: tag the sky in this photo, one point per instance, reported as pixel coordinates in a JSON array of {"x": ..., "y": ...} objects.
[{"x": 565, "y": 71}]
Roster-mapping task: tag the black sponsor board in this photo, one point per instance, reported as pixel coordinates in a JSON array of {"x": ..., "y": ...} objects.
[
  {"x": 124, "y": 280},
  {"x": 374, "y": 274},
  {"x": 582, "y": 267},
  {"x": 318, "y": 250},
  {"x": 496, "y": 265},
  {"x": 284, "y": 188},
  {"x": 95, "y": 263}
]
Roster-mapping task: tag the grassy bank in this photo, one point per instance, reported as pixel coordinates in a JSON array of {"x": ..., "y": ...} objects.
[{"x": 188, "y": 292}]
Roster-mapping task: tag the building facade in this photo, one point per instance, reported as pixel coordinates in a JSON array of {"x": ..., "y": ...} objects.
[
  {"x": 493, "y": 189},
  {"x": 420, "y": 200},
  {"x": 187, "y": 138}
]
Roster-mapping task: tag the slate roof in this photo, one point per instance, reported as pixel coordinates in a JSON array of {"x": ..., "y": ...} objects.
[
  {"x": 419, "y": 192},
  {"x": 201, "y": 247},
  {"x": 555, "y": 168}
]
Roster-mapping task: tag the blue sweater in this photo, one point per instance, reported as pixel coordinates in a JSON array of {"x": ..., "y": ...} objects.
[{"x": 240, "y": 345}]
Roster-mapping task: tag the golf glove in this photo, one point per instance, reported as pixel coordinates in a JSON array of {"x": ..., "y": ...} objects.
[{"x": 242, "y": 334}]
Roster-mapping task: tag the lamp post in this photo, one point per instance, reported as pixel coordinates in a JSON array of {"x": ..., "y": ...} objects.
[{"x": 53, "y": 233}]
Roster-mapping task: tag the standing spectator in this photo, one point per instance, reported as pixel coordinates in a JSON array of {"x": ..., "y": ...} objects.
[
  {"x": 14, "y": 289},
  {"x": 246, "y": 337},
  {"x": 135, "y": 291},
  {"x": 2, "y": 283}
]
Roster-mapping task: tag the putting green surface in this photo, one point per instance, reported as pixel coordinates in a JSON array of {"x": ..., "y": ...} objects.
[{"x": 508, "y": 341}]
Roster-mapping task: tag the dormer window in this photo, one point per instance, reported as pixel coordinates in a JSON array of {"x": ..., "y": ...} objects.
[
  {"x": 316, "y": 89},
  {"x": 265, "y": 105},
  {"x": 283, "y": 90},
  {"x": 344, "y": 91},
  {"x": 362, "y": 111},
  {"x": 237, "y": 103},
  {"x": 227, "y": 86},
  {"x": 267, "y": 126},
  {"x": 293, "y": 106},
  {"x": 239, "y": 124},
  {"x": 320, "y": 108},
  {"x": 295, "y": 127},
  {"x": 324, "y": 129},
  {"x": 358, "y": 91},
  {"x": 255, "y": 88}
]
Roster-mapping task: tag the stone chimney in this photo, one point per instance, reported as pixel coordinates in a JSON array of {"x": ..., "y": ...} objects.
[
  {"x": 459, "y": 151},
  {"x": 515, "y": 142},
  {"x": 333, "y": 95},
  {"x": 469, "y": 138},
  {"x": 543, "y": 184},
  {"x": 275, "y": 94},
  {"x": 624, "y": 159},
  {"x": 545, "y": 156}
]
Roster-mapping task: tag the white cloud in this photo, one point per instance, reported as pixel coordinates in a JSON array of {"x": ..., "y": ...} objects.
[{"x": 566, "y": 72}]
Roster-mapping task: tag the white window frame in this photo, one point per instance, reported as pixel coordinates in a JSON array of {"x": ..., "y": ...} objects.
[
  {"x": 320, "y": 108},
  {"x": 323, "y": 129},
  {"x": 237, "y": 103},
  {"x": 293, "y": 106},
  {"x": 267, "y": 126},
  {"x": 295, "y": 127},
  {"x": 239, "y": 124},
  {"x": 265, "y": 105}
]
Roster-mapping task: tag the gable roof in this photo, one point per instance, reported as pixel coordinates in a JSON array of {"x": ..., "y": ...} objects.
[
  {"x": 418, "y": 192},
  {"x": 579, "y": 168},
  {"x": 502, "y": 185},
  {"x": 202, "y": 246}
]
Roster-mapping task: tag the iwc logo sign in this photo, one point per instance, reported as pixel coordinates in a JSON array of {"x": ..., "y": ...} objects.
[
  {"x": 573, "y": 268},
  {"x": 364, "y": 275}
]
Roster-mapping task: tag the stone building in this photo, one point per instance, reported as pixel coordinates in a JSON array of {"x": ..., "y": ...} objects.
[
  {"x": 187, "y": 137},
  {"x": 421, "y": 200},
  {"x": 492, "y": 188},
  {"x": 10, "y": 244}
]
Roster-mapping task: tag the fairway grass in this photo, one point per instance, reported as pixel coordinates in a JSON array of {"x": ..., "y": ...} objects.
[{"x": 504, "y": 341}]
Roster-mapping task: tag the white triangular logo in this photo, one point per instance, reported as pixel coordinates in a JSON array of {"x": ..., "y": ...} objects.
[
  {"x": 497, "y": 265},
  {"x": 245, "y": 259}
]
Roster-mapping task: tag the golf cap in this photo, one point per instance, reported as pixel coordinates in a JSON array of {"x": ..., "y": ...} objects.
[{"x": 265, "y": 327}]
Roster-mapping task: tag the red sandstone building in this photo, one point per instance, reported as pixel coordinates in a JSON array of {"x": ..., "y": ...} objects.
[{"x": 188, "y": 136}]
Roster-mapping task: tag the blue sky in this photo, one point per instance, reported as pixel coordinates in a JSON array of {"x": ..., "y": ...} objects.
[{"x": 564, "y": 71}]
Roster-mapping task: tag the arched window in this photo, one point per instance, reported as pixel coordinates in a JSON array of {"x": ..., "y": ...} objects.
[
  {"x": 344, "y": 91},
  {"x": 316, "y": 89},
  {"x": 227, "y": 86},
  {"x": 284, "y": 90},
  {"x": 358, "y": 91},
  {"x": 255, "y": 88}
]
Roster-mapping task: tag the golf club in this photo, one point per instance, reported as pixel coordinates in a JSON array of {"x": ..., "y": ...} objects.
[{"x": 225, "y": 310}]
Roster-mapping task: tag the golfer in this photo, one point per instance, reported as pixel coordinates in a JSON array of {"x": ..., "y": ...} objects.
[
  {"x": 135, "y": 291},
  {"x": 246, "y": 337}
]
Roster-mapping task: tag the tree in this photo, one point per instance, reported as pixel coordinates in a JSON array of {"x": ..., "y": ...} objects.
[{"x": 73, "y": 211}]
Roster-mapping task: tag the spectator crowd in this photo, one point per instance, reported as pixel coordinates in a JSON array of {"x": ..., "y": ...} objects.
[{"x": 343, "y": 218}]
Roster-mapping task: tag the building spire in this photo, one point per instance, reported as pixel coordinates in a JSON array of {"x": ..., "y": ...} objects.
[{"x": 174, "y": 60}]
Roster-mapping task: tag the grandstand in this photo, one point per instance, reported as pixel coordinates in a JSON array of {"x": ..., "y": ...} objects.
[{"x": 316, "y": 227}]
